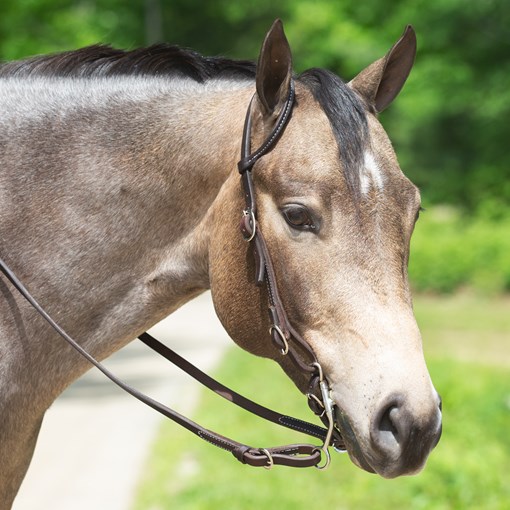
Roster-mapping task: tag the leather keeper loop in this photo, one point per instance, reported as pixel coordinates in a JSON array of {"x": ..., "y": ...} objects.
[{"x": 240, "y": 452}]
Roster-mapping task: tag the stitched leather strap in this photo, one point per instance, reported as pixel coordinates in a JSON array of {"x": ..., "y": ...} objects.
[
  {"x": 248, "y": 160},
  {"x": 293, "y": 455},
  {"x": 229, "y": 394},
  {"x": 281, "y": 331}
]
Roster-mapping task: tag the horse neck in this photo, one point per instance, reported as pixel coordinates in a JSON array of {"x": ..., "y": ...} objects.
[
  {"x": 189, "y": 148},
  {"x": 115, "y": 233},
  {"x": 201, "y": 132}
]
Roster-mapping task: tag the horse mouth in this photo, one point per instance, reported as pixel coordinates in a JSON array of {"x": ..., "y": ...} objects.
[{"x": 351, "y": 443}]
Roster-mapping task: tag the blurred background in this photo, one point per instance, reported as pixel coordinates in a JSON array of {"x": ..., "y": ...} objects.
[{"x": 450, "y": 127}]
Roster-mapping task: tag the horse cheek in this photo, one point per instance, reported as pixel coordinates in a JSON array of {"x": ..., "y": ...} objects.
[{"x": 240, "y": 305}]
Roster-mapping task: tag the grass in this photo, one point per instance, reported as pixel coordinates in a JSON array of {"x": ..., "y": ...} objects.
[
  {"x": 465, "y": 327},
  {"x": 468, "y": 470}
]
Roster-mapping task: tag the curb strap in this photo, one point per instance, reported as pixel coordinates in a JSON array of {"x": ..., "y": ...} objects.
[{"x": 285, "y": 338}]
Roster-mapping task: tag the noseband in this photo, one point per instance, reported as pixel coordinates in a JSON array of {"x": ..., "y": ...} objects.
[{"x": 284, "y": 337}]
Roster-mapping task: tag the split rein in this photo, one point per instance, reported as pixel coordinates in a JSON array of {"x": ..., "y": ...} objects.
[{"x": 283, "y": 335}]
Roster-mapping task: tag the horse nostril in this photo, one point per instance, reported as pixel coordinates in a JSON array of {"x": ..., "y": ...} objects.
[
  {"x": 401, "y": 439},
  {"x": 388, "y": 421},
  {"x": 388, "y": 430}
]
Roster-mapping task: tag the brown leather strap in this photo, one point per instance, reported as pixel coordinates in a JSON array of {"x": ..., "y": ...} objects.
[
  {"x": 282, "y": 333},
  {"x": 249, "y": 159},
  {"x": 295, "y": 456},
  {"x": 284, "y": 336},
  {"x": 229, "y": 394}
]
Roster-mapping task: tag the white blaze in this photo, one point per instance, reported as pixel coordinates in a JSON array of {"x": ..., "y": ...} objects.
[{"x": 371, "y": 174}]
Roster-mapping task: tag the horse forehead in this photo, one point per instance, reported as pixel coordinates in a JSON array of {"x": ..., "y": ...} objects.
[
  {"x": 310, "y": 131},
  {"x": 380, "y": 149},
  {"x": 309, "y": 154},
  {"x": 309, "y": 137},
  {"x": 308, "y": 150},
  {"x": 381, "y": 167}
]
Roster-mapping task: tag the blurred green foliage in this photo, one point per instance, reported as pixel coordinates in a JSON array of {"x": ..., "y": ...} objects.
[
  {"x": 451, "y": 251},
  {"x": 449, "y": 126}
]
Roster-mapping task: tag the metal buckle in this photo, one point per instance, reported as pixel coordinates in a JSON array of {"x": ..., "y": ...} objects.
[
  {"x": 285, "y": 348},
  {"x": 253, "y": 221},
  {"x": 328, "y": 459}
]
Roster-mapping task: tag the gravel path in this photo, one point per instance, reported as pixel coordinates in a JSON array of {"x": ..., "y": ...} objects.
[{"x": 95, "y": 438}]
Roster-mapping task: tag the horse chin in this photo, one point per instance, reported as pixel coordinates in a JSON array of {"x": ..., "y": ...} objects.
[{"x": 351, "y": 442}]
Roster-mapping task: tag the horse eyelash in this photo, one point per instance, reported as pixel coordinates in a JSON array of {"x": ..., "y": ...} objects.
[{"x": 418, "y": 212}]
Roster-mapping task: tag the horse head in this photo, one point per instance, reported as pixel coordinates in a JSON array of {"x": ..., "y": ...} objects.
[{"x": 337, "y": 215}]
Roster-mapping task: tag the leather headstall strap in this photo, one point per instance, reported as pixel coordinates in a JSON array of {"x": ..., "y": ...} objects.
[{"x": 284, "y": 336}]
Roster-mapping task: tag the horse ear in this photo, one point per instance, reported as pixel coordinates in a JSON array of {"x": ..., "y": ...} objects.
[
  {"x": 381, "y": 81},
  {"x": 274, "y": 70}
]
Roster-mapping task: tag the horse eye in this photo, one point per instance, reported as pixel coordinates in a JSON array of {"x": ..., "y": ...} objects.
[{"x": 298, "y": 217}]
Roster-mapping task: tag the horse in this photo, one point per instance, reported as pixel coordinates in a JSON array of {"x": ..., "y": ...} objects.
[{"x": 121, "y": 201}]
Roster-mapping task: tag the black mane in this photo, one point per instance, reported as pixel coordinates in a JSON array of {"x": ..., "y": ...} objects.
[{"x": 105, "y": 61}]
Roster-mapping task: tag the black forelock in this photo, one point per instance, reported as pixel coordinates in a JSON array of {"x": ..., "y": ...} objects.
[{"x": 347, "y": 117}]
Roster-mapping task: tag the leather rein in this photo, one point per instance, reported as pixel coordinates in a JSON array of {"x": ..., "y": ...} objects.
[{"x": 283, "y": 335}]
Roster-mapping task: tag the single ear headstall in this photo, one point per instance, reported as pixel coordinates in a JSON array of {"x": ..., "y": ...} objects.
[{"x": 284, "y": 336}]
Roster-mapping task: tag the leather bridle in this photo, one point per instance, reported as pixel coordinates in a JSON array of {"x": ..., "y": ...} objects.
[{"x": 283, "y": 335}]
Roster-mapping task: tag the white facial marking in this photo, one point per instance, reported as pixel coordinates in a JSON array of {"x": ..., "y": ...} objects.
[{"x": 371, "y": 174}]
